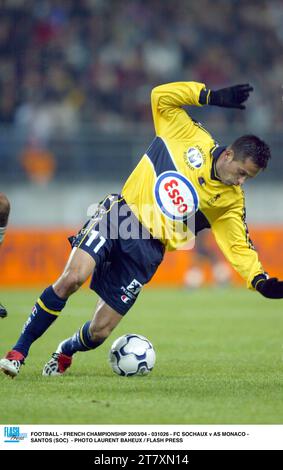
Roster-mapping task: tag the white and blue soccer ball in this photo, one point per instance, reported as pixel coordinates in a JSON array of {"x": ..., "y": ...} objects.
[{"x": 132, "y": 354}]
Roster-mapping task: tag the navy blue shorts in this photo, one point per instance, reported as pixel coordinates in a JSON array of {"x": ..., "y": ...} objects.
[{"x": 125, "y": 253}]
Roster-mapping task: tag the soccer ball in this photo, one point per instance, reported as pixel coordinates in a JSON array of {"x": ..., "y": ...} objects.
[{"x": 132, "y": 355}]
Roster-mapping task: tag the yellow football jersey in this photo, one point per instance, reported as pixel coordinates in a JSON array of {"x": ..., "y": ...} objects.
[{"x": 174, "y": 190}]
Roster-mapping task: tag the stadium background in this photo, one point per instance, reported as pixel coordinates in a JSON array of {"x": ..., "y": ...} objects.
[
  {"x": 75, "y": 81},
  {"x": 75, "y": 117}
]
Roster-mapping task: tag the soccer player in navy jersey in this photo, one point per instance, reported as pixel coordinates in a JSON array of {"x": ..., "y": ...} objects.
[
  {"x": 4, "y": 215},
  {"x": 185, "y": 182}
]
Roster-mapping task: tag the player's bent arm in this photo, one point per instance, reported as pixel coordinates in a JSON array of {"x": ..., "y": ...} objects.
[
  {"x": 175, "y": 95},
  {"x": 169, "y": 118},
  {"x": 172, "y": 121},
  {"x": 4, "y": 215}
]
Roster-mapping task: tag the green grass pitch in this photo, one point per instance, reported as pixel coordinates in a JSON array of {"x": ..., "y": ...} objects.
[{"x": 219, "y": 360}]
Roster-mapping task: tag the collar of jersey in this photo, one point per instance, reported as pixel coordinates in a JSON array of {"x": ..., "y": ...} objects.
[{"x": 215, "y": 155}]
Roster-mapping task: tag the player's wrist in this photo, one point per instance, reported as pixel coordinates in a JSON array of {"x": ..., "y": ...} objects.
[
  {"x": 204, "y": 96},
  {"x": 259, "y": 279}
]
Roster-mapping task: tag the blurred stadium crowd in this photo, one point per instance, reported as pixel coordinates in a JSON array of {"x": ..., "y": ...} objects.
[
  {"x": 63, "y": 62},
  {"x": 75, "y": 82}
]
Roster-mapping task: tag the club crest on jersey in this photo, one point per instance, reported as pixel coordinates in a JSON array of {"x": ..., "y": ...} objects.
[
  {"x": 194, "y": 157},
  {"x": 134, "y": 287},
  {"x": 175, "y": 195}
]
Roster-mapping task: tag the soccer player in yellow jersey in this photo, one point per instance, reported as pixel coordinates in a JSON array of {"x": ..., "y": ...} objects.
[
  {"x": 4, "y": 215},
  {"x": 184, "y": 182}
]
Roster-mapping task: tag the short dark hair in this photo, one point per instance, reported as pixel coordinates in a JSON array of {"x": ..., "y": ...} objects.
[{"x": 251, "y": 146}]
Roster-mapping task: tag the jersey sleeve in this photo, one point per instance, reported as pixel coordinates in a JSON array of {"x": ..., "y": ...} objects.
[
  {"x": 232, "y": 236},
  {"x": 170, "y": 119}
]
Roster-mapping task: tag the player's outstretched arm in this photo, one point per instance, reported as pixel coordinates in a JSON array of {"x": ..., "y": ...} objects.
[
  {"x": 231, "y": 97},
  {"x": 271, "y": 288}
]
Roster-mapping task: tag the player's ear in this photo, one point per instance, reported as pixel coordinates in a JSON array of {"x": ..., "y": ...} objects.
[{"x": 229, "y": 156}]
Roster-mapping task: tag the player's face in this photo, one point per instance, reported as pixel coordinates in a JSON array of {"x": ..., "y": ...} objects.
[{"x": 235, "y": 172}]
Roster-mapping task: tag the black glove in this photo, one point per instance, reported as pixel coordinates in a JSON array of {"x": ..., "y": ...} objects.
[
  {"x": 3, "y": 311},
  {"x": 270, "y": 288},
  {"x": 231, "y": 97}
]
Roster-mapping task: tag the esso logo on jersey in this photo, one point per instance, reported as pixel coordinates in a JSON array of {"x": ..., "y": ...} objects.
[{"x": 175, "y": 195}]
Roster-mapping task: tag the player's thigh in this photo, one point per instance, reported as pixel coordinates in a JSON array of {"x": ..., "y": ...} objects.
[
  {"x": 79, "y": 262},
  {"x": 105, "y": 318}
]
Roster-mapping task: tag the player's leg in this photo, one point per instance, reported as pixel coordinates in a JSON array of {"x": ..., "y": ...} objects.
[
  {"x": 119, "y": 283},
  {"x": 90, "y": 336},
  {"x": 117, "y": 280},
  {"x": 48, "y": 307},
  {"x": 4, "y": 215},
  {"x": 91, "y": 248}
]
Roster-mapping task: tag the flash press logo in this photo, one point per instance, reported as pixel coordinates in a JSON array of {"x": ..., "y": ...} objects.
[{"x": 13, "y": 434}]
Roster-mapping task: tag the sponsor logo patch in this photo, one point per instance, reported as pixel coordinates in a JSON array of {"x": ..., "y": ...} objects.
[
  {"x": 175, "y": 195},
  {"x": 125, "y": 299}
]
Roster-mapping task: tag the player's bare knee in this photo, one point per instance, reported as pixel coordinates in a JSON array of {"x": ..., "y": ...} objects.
[{"x": 70, "y": 281}]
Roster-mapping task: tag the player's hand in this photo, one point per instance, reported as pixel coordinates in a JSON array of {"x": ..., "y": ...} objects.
[
  {"x": 231, "y": 97},
  {"x": 271, "y": 288}
]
